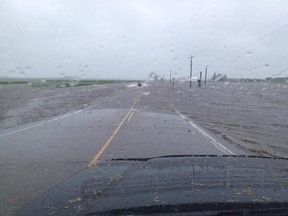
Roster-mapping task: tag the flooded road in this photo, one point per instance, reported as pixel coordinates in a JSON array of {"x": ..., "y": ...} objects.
[
  {"x": 249, "y": 115},
  {"x": 80, "y": 126}
]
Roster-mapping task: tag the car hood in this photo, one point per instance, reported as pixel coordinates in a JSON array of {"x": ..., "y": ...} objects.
[{"x": 169, "y": 180}]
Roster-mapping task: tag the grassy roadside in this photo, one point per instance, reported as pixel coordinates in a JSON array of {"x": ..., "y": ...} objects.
[
  {"x": 8, "y": 82},
  {"x": 61, "y": 83}
]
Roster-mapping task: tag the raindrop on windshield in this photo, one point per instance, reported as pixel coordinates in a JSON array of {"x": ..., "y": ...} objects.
[
  {"x": 69, "y": 60},
  {"x": 59, "y": 30},
  {"x": 213, "y": 17},
  {"x": 248, "y": 53}
]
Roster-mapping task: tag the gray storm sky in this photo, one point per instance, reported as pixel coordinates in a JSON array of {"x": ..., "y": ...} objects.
[{"x": 131, "y": 39}]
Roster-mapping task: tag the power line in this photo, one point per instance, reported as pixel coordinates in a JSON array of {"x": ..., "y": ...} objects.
[
  {"x": 276, "y": 30},
  {"x": 259, "y": 30},
  {"x": 263, "y": 28},
  {"x": 259, "y": 39},
  {"x": 266, "y": 26},
  {"x": 269, "y": 9},
  {"x": 257, "y": 17}
]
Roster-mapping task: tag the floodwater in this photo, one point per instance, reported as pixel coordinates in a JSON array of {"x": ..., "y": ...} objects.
[
  {"x": 252, "y": 116},
  {"x": 21, "y": 104}
]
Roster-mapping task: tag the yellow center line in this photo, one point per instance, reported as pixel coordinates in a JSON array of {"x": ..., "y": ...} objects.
[
  {"x": 131, "y": 114},
  {"x": 138, "y": 99},
  {"x": 109, "y": 141}
]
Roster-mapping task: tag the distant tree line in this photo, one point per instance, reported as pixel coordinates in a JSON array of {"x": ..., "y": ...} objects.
[
  {"x": 155, "y": 77},
  {"x": 219, "y": 77}
]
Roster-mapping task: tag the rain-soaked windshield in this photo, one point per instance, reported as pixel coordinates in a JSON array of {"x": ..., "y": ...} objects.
[{"x": 84, "y": 82}]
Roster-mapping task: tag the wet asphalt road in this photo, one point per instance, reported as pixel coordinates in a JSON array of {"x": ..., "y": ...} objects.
[{"x": 131, "y": 124}]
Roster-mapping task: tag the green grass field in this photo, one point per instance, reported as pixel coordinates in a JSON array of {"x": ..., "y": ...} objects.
[{"x": 60, "y": 83}]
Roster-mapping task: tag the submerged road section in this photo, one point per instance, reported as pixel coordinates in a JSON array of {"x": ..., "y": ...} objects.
[{"x": 133, "y": 123}]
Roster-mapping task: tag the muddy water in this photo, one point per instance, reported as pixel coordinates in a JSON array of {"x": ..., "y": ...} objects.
[
  {"x": 249, "y": 115},
  {"x": 20, "y": 104},
  {"x": 253, "y": 116}
]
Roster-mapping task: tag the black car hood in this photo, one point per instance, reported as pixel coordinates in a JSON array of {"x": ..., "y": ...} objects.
[{"x": 131, "y": 183}]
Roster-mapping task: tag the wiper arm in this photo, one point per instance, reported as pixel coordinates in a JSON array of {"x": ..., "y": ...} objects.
[
  {"x": 191, "y": 155},
  {"x": 163, "y": 156},
  {"x": 209, "y": 209}
]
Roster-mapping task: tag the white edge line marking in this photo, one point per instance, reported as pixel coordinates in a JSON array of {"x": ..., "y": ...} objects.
[
  {"x": 206, "y": 135},
  {"x": 212, "y": 140},
  {"x": 54, "y": 119}
]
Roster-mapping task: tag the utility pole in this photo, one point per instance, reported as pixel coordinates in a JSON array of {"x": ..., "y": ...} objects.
[
  {"x": 170, "y": 77},
  {"x": 200, "y": 79},
  {"x": 191, "y": 63},
  {"x": 206, "y": 74}
]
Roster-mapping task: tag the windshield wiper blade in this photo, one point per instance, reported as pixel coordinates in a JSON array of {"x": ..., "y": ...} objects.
[
  {"x": 211, "y": 209},
  {"x": 191, "y": 155},
  {"x": 163, "y": 156}
]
